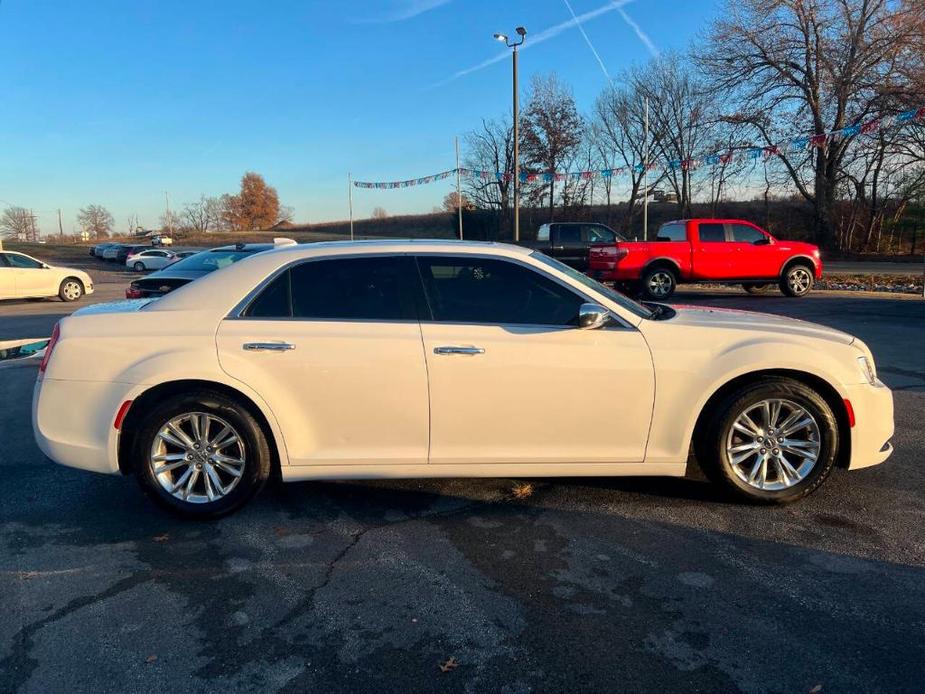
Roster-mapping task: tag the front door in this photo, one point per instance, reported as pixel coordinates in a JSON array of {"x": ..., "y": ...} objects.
[
  {"x": 32, "y": 277},
  {"x": 334, "y": 347},
  {"x": 755, "y": 255},
  {"x": 513, "y": 380}
]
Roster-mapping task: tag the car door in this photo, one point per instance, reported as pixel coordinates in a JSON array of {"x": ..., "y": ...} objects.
[
  {"x": 31, "y": 277},
  {"x": 155, "y": 260},
  {"x": 513, "y": 380},
  {"x": 754, "y": 253},
  {"x": 333, "y": 345},
  {"x": 7, "y": 279},
  {"x": 568, "y": 247},
  {"x": 712, "y": 256}
]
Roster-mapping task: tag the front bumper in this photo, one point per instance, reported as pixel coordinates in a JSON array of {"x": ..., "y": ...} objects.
[{"x": 873, "y": 429}]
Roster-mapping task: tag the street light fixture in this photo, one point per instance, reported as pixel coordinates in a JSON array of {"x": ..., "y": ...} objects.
[{"x": 522, "y": 33}]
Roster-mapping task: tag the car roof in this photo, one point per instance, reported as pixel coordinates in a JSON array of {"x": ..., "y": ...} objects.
[{"x": 365, "y": 246}]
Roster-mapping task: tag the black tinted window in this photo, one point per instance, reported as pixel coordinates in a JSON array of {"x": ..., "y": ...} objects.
[
  {"x": 672, "y": 232},
  {"x": 569, "y": 234},
  {"x": 482, "y": 290},
  {"x": 340, "y": 289},
  {"x": 746, "y": 234},
  {"x": 711, "y": 233}
]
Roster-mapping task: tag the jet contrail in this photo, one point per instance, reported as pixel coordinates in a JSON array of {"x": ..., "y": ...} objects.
[
  {"x": 639, "y": 32},
  {"x": 588, "y": 41}
]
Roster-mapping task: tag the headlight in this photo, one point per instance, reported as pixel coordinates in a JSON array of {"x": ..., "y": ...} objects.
[{"x": 867, "y": 369}]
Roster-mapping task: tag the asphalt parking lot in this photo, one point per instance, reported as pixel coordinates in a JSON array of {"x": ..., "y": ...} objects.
[{"x": 585, "y": 584}]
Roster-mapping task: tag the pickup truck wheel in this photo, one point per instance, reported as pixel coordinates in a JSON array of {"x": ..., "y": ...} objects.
[
  {"x": 201, "y": 455},
  {"x": 771, "y": 442},
  {"x": 658, "y": 283},
  {"x": 755, "y": 288},
  {"x": 797, "y": 281}
]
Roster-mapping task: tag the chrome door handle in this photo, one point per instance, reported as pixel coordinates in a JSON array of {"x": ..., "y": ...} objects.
[
  {"x": 458, "y": 350},
  {"x": 267, "y": 346}
]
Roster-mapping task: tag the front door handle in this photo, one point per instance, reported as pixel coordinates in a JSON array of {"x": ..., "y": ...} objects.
[
  {"x": 458, "y": 350},
  {"x": 267, "y": 346}
]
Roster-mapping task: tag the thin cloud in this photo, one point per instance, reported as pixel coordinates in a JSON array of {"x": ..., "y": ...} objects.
[
  {"x": 588, "y": 41},
  {"x": 535, "y": 39},
  {"x": 639, "y": 32},
  {"x": 405, "y": 9}
]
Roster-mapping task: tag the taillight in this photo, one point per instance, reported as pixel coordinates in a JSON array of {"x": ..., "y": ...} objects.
[
  {"x": 608, "y": 253},
  {"x": 49, "y": 348}
]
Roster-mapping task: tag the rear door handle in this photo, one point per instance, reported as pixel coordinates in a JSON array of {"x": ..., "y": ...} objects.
[
  {"x": 267, "y": 346},
  {"x": 458, "y": 350}
]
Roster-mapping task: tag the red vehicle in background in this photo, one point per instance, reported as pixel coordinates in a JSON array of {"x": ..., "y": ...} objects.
[{"x": 729, "y": 251}]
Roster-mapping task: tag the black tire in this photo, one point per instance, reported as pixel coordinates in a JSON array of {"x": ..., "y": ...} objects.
[
  {"x": 139, "y": 266},
  {"x": 71, "y": 289},
  {"x": 711, "y": 441},
  {"x": 755, "y": 287},
  {"x": 658, "y": 283},
  {"x": 797, "y": 280},
  {"x": 254, "y": 451}
]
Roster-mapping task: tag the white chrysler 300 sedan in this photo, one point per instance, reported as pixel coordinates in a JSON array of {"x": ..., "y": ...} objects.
[{"x": 446, "y": 359}]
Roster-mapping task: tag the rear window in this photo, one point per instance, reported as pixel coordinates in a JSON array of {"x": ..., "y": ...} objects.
[
  {"x": 207, "y": 261},
  {"x": 712, "y": 233},
  {"x": 675, "y": 231}
]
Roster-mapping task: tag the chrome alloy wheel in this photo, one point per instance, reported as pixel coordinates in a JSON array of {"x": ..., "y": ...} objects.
[
  {"x": 799, "y": 280},
  {"x": 660, "y": 283},
  {"x": 72, "y": 290},
  {"x": 197, "y": 457},
  {"x": 773, "y": 444}
]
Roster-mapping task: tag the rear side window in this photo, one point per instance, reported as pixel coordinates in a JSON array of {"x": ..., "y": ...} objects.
[
  {"x": 372, "y": 288},
  {"x": 676, "y": 231},
  {"x": 746, "y": 234},
  {"x": 712, "y": 233},
  {"x": 498, "y": 292},
  {"x": 569, "y": 234}
]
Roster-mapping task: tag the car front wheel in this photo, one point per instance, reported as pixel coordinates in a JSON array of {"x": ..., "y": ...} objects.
[
  {"x": 201, "y": 455},
  {"x": 797, "y": 281},
  {"x": 771, "y": 441},
  {"x": 139, "y": 266},
  {"x": 71, "y": 289}
]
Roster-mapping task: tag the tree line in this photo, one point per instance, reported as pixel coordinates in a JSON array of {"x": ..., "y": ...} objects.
[
  {"x": 255, "y": 206},
  {"x": 764, "y": 72}
]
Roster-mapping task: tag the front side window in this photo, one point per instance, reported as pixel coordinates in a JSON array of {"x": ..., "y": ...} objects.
[
  {"x": 742, "y": 233},
  {"x": 471, "y": 289},
  {"x": 712, "y": 233},
  {"x": 542, "y": 234},
  {"x": 675, "y": 231},
  {"x": 373, "y": 288},
  {"x": 22, "y": 261}
]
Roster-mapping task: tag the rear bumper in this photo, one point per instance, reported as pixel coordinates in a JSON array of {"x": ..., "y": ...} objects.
[
  {"x": 873, "y": 429},
  {"x": 73, "y": 422}
]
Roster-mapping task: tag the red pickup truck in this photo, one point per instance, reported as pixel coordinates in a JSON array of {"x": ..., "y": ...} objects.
[{"x": 730, "y": 251}]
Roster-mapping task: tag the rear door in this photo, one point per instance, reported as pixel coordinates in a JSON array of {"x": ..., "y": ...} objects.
[
  {"x": 754, "y": 253},
  {"x": 712, "y": 255},
  {"x": 567, "y": 245},
  {"x": 333, "y": 345}
]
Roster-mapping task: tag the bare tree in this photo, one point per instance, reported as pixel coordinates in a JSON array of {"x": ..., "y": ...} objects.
[
  {"x": 96, "y": 221},
  {"x": 286, "y": 214},
  {"x": 552, "y": 131},
  {"x": 133, "y": 224},
  {"x": 379, "y": 213},
  {"x": 16, "y": 222},
  {"x": 204, "y": 215},
  {"x": 781, "y": 64},
  {"x": 490, "y": 149}
]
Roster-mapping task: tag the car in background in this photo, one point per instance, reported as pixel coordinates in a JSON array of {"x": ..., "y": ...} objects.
[
  {"x": 403, "y": 359},
  {"x": 723, "y": 251},
  {"x": 161, "y": 240},
  {"x": 97, "y": 250},
  {"x": 180, "y": 255},
  {"x": 149, "y": 259},
  {"x": 570, "y": 242},
  {"x": 25, "y": 277},
  {"x": 197, "y": 265}
]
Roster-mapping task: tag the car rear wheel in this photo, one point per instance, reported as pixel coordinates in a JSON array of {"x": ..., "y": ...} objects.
[
  {"x": 201, "y": 455},
  {"x": 139, "y": 266},
  {"x": 755, "y": 287},
  {"x": 797, "y": 281},
  {"x": 772, "y": 441},
  {"x": 658, "y": 283},
  {"x": 71, "y": 289}
]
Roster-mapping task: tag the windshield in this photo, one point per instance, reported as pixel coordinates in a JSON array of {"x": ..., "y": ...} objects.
[
  {"x": 612, "y": 294},
  {"x": 207, "y": 261}
]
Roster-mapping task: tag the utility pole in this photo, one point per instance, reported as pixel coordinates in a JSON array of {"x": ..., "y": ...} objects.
[
  {"x": 645, "y": 176},
  {"x": 167, "y": 217},
  {"x": 458, "y": 191},
  {"x": 516, "y": 180},
  {"x": 350, "y": 202},
  {"x": 60, "y": 225},
  {"x": 33, "y": 234}
]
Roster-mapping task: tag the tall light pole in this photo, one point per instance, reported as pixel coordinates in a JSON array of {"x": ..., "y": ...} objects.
[{"x": 516, "y": 180}]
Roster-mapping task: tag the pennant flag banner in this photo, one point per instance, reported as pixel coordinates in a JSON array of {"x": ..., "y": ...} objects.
[{"x": 870, "y": 127}]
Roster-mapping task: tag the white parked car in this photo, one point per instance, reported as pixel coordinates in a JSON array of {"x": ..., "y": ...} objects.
[
  {"x": 149, "y": 259},
  {"x": 446, "y": 359},
  {"x": 25, "y": 277}
]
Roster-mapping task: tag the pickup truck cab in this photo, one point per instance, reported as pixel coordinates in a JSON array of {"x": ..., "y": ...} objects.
[
  {"x": 569, "y": 242},
  {"x": 730, "y": 251}
]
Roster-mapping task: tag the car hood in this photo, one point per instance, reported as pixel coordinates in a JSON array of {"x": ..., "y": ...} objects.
[
  {"x": 127, "y": 306},
  {"x": 734, "y": 319}
]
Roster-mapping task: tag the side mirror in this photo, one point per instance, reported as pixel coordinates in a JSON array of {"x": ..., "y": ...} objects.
[{"x": 592, "y": 316}]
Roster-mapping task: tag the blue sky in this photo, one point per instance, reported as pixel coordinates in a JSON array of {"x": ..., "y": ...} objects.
[{"x": 114, "y": 101}]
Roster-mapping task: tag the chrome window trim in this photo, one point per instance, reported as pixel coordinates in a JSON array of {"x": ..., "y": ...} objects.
[{"x": 243, "y": 304}]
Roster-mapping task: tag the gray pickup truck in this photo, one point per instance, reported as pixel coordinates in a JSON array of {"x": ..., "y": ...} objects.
[{"x": 569, "y": 242}]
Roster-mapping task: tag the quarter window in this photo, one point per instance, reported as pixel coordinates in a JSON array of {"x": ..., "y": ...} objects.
[
  {"x": 712, "y": 233},
  {"x": 497, "y": 292},
  {"x": 371, "y": 288}
]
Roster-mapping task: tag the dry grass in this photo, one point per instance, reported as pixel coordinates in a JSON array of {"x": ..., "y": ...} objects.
[{"x": 522, "y": 490}]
